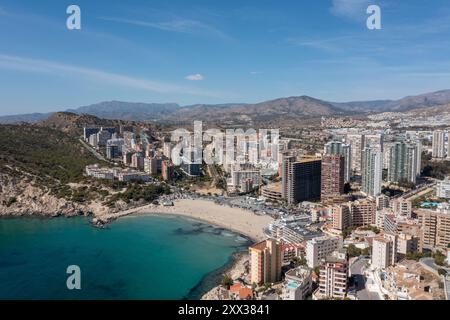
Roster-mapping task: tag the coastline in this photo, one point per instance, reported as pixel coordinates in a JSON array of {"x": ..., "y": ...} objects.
[
  {"x": 241, "y": 222},
  {"x": 237, "y": 220}
]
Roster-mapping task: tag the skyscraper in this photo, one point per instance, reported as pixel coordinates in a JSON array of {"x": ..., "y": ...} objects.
[
  {"x": 403, "y": 162},
  {"x": 337, "y": 147},
  {"x": 301, "y": 179},
  {"x": 372, "y": 172},
  {"x": 439, "y": 144},
  {"x": 332, "y": 176},
  {"x": 357, "y": 145}
]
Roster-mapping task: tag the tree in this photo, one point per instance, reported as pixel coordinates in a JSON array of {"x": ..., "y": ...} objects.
[{"x": 227, "y": 282}]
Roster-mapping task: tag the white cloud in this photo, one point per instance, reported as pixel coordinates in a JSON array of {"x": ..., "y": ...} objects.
[
  {"x": 175, "y": 25},
  {"x": 350, "y": 9},
  {"x": 194, "y": 77},
  {"x": 49, "y": 67}
]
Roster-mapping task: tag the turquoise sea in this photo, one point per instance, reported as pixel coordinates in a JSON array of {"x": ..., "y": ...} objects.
[{"x": 137, "y": 257}]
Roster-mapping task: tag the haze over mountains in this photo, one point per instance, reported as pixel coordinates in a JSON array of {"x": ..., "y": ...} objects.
[{"x": 283, "y": 108}]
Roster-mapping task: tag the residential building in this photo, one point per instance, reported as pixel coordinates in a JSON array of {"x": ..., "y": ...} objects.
[
  {"x": 403, "y": 163},
  {"x": 87, "y": 132},
  {"x": 137, "y": 161},
  {"x": 383, "y": 252},
  {"x": 443, "y": 189},
  {"x": 102, "y": 137},
  {"x": 297, "y": 284},
  {"x": 301, "y": 179},
  {"x": 372, "y": 172},
  {"x": 341, "y": 216},
  {"x": 319, "y": 248},
  {"x": 406, "y": 243},
  {"x": 363, "y": 212},
  {"x": 402, "y": 207},
  {"x": 333, "y": 278},
  {"x": 435, "y": 227},
  {"x": 439, "y": 144},
  {"x": 357, "y": 143},
  {"x": 167, "y": 170},
  {"x": 112, "y": 151},
  {"x": 332, "y": 176},
  {"x": 265, "y": 262},
  {"x": 345, "y": 150}
]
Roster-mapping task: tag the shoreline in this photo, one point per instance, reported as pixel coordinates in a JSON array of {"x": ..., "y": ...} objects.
[{"x": 236, "y": 220}]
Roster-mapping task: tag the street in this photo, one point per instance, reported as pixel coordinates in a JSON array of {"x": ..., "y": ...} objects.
[{"x": 361, "y": 282}]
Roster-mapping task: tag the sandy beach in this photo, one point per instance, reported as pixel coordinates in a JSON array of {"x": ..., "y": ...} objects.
[{"x": 235, "y": 219}]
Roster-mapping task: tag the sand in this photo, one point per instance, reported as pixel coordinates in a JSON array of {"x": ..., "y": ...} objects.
[{"x": 235, "y": 219}]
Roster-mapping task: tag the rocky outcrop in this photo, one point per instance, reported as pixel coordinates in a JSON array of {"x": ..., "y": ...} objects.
[{"x": 20, "y": 197}]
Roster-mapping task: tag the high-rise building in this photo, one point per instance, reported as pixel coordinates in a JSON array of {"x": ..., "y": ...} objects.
[
  {"x": 167, "y": 149},
  {"x": 153, "y": 165},
  {"x": 137, "y": 161},
  {"x": 332, "y": 176},
  {"x": 319, "y": 248},
  {"x": 167, "y": 169},
  {"x": 87, "y": 132},
  {"x": 403, "y": 162},
  {"x": 357, "y": 142},
  {"x": 439, "y": 144},
  {"x": 112, "y": 151},
  {"x": 345, "y": 150},
  {"x": 103, "y": 136},
  {"x": 301, "y": 178},
  {"x": 265, "y": 262},
  {"x": 374, "y": 141},
  {"x": 333, "y": 277},
  {"x": 372, "y": 172}
]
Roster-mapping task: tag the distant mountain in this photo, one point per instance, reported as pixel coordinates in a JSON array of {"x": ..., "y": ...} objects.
[
  {"x": 278, "y": 109},
  {"x": 405, "y": 104},
  {"x": 292, "y": 108},
  {"x": 128, "y": 110},
  {"x": 30, "y": 118}
]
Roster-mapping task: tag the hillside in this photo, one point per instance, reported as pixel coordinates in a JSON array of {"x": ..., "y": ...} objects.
[
  {"x": 73, "y": 123},
  {"x": 36, "y": 164}
]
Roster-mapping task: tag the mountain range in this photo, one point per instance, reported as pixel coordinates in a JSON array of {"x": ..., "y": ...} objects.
[{"x": 291, "y": 108}]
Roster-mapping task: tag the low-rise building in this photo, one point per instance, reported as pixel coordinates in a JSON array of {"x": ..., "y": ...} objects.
[
  {"x": 297, "y": 284},
  {"x": 443, "y": 189},
  {"x": 384, "y": 251},
  {"x": 333, "y": 278},
  {"x": 319, "y": 248},
  {"x": 272, "y": 192}
]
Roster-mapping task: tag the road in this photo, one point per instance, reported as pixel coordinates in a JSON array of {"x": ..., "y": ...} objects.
[
  {"x": 357, "y": 271},
  {"x": 93, "y": 151}
]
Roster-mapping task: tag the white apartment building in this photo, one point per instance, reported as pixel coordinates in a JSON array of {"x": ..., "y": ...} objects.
[
  {"x": 439, "y": 144},
  {"x": 321, "y": 247},
  {"x": 298, "y": 284},
  {"x": 383, "y": 251},
  {"x": 443, "y": 189}
]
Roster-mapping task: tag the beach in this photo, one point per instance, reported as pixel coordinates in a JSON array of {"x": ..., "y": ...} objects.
[{"x": 234, "y": 219}]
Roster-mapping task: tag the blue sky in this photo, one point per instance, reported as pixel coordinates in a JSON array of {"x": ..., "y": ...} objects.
[{"x": 193, "y": 51}]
